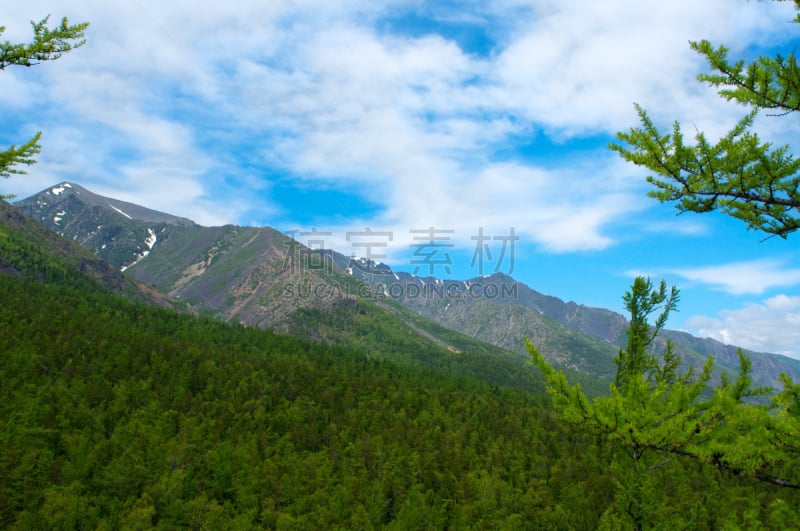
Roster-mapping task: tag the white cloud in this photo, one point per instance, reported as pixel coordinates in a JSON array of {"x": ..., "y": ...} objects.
[
  {"x": 770, "y": 326},
  {"x": 748, "y": 277},
  {"x": 581, "y": 65},
  {"x": 165, "y": 93},
  {"x": 682, "y": 225}
]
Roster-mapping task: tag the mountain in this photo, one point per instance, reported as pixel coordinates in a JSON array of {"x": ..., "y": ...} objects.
[
  {"x": 118, "y": 232},
  {"x": 30, "y": 250},
  {"x": 122, "y": 415},
  {"x": 261, "y": 277},
  {"x": 499, "y": 310},
  {"x": 496, "y": 309},
  {"x": 118, "y": 415}
]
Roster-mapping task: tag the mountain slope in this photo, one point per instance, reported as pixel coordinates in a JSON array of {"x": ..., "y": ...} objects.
[
  {"x": 501, "y": 320},
  {"x": 123, "y": 416},
  {"x": 499, "y": 310},
  {"x": 120, "y": 416},
  {"x": 261, "y": 277},
  {"x": 30, "y": 250}
]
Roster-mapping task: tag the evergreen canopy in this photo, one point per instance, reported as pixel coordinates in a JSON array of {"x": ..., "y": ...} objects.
[
  {"x": 48, "y": 44},
  {"x": 740, "y": 174}
]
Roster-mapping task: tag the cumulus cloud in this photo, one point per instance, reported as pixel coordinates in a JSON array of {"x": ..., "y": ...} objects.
[
  {"x": 772, "y": 325},
  {"x": 580, "y": 65},
  {"x": 213, "y": 101}
]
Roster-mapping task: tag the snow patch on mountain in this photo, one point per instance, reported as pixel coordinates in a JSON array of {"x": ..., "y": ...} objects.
[
  {"x": 57, "y": 190},
  {"x": 121, "y": 212},
  {"x": 149, "y": 242}
]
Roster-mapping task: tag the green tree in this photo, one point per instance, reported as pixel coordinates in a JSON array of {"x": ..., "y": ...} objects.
[
  {"x": 48, "y": 44},
  {"x": 759, "y": 184},
  {"x": 752, "y": 439},
  {"x": 740, "y": 174},
  {"x": 658, "y": 419},
  {"x": 653, "y": 408}
]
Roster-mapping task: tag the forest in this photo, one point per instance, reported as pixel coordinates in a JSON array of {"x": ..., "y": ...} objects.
[
  {"x": 116, "y": 413},
  {"x": 123, "y": 415}
]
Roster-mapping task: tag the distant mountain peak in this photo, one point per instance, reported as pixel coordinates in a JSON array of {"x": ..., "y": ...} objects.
[
  {"x": 60, "y": 192},
  {"x": 496, "y": 277},
  {"x": 120, "y": 232},
  {"x": 61, "y": 187}
]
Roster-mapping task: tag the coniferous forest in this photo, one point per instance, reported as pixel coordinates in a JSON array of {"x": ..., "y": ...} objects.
[
  {"x": 118, "y": 411},
  {"x": 123, "y": 415}
]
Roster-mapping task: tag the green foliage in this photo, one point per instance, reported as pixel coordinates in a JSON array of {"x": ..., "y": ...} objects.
[
  {"x": 390, "y": 331},
  {"x": 650, "y": 406},
  {"x": 29, "y": 250},
  {"x": 739, "y": 175},
  {"x": 754, "y": 440},
  {"x": 120, "y": 415},
  {"x": 766, "y": 83},
  {"x": 30, "y": 260},
  {"x": 14, "y": 156},
  {"x": 656, "y": 419},
  {"x": 635, "y": 360},
  {"x": 759, "y": 184},
  {"x": 47, "y": 45}
]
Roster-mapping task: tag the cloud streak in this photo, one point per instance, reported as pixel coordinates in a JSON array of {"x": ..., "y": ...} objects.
[
  {"x": 749, "y": 277},
  {"x": 772, "y": 325}
]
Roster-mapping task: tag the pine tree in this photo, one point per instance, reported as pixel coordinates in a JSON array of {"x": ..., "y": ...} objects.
[
  {"x": 48, "y": 44},
  {"x": 755, "y": 182},
  {"x": 653, "y": 409},
  {"x": 740, "y": 175}
]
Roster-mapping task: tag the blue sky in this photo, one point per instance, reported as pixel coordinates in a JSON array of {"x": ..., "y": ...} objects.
[{"x": 405, "y": 116}]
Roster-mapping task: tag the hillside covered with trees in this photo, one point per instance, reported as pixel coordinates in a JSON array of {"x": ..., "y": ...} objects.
[
  {"x": 120, "y": 413},
  {"x": 124, "y": 415}
]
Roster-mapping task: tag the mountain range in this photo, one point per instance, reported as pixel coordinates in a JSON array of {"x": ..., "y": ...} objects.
[
  {"x": 120, "y": 414},
  {"x": 381, "y": 332},
  {"x": 261, "y": 277}
]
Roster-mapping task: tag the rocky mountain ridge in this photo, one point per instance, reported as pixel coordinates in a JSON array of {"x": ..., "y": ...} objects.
[{"x": 262, "y": 277}]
